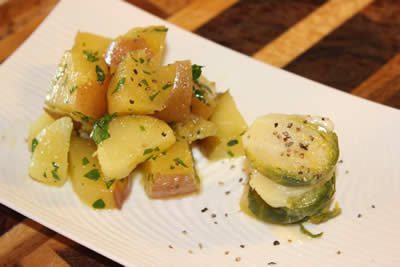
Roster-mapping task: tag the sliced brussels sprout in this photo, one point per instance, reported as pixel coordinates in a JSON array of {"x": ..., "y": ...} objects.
[
  {"x": 292, "y": 150},
  {"x": 300, "y": 207}
]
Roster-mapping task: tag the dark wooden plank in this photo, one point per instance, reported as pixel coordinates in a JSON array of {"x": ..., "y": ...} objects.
[
  {"x": 248, "y": 25},
  {"x": 82, "y": 257},
  {"x": 8, "y": 219},
  {"x": 356, "y": 50}
]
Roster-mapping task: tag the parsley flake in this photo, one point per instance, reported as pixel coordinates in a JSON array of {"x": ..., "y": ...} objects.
[
  {"x": 153, "y": 96},
  {"x": 110, "y": 183},
  {"x": 196, "y": 71},
  {"x": 100, "y": 74},
  {"x": 85, "y": 161},
  {"x": 178, "y": 162},
  {"x": 54, "y": 171},
  {"x": 232, "y": 142},
  {"x": 91, "y": 56},
  {"x": 167, "y": 85},
  {"x": 34, "y": 144},
  {"x": 100, "y": 129},
  {"x": 93, "y": 174},
  {"x": 119, "y": 85},
  {"x": 99, "y": 204}
]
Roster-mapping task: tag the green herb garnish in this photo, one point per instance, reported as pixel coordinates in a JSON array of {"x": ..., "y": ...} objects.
[
  {"x": 100, "y": 74},
  {"x": 150, "y": 150},
  {"x": 161, "y": 29},
  {"x": 73, "y": 89},
  {"x": 178, "y": 162},
  {"x": 142, "y": 128},
  {"x": 119, "y": 85},
  {"x": 54, "y": 171},
  {"x": 153, "y": 96},
  {"x": 141, "y": 60},
  {"x": 230, "y": 153},
  {"x": 146, "y": 72},
  {"x": 232, "y": 142},
  {"x": 110, "y": 183},
  {"x": 100, "y": 129},
  {"x": 93, "y": 174},
  {"x": 91, "y": 56},
  {"x": 307, "y": 232},
  {"x": 196, "y": 71},
  {"x": 99, "y": 204},
  {"x": 34, "y": 144},
  {"x": 144, "y": 82},
  {"x": 167, "y": 85},
  {"x": 85, "y": 161}
]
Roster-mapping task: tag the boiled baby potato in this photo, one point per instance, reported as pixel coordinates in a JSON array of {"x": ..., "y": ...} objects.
[
  {"x": 49, "y": 163},
  {"x": 230, "y": 126},
  {"x": 204, "y": 98},
  {"x": 178, "y": 103},
  {"x": 151, "y": 39},
  {"x": 134, "y": 89},
  {"x": 81, "y": 80},
  {"x": 88, "y": 180},
  {"x": 194, "y": 128},
  {"x": 171, "y": 173},
  {"x": 133, "y": 139},
  {"x": 42, "y": 122}
]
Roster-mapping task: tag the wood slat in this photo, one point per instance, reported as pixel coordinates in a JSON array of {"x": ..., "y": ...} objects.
[
  {"x": 199, "y": 12},
  {"x": 43, "y": 256},
  {"x": 21, "y": 240},
  {"x": 309, "y": 31},
  {"x": 248, "y": 25},
  {"x": 383, "y": 84}
]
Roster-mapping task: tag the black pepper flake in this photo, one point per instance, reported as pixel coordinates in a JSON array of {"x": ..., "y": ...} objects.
[
  {"x": 289, "y": 240},
  {"x": 135, "y": 71},
  {"x": 163, "y": 134},
  {"x": 373, "y": 206},
  {"x": 346, "y": 172},
  {"x": 215, "y": 222},
  {"x": 276, "y": 243},
  {"x": 227, "y": 192},
  {"x": 226, "y": 252},
  {"x": 276, "y": 124},
  {"x": 204, "y": 210},
  {"x": 271, "y": 263},
  {"x": 240, "y": 179},
  {"x": 213, "y": 215},
  {"x": 220, "y": 183},
  {"x": 238, "y": 259},
  {"x": 340, "y": 161},
  {"x": 297, "y": 129},
  {"x": 289, "y": 144},
  {"x": 290, "y": 125},
  {"x": 359, "y": 215},
  {"x": 303, "y": 146},
  {"x": 311, "y": 138},
  {"x": 200, "y": 245},
  {"x": 338, "y": 252},
  {"x": 184, "y": 232},
  {"x": 170, "y": 246},
  {"x": 305, "y": 121},
  {"x": 190, "y": 251},
  {"x": 131, "y": 101},
  {"x": 226, "y": 215},
  {"x": 242, "y": 246},
  {"x": 323, "y": 118}
]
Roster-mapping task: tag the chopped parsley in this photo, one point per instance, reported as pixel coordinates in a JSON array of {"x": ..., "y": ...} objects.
[
  {"x": 153, "y": 96},
  {"x": 150, "y": 150},
  {"x": 178, "y": 162},
  {"x": 161, "y": 29},
  {"x": 232, "y": 142},
  {"x": 110, "y": 183},
  {"x": 93, "y": 174},
  {"x": 146, "y": 72},
  {"x": 73, "y": 89},
  {"x": 167, "y": 85},
  {"x": 91, "y": 56},
  {"x": 55, "y": 170},
  {"x": 142, "y": 128},
  {"x": 144, "y": 82},
  {"x": 119, "y": 85},
  {"x": 100, "y": 74},
  {"x": 100, "y": 129},
  {"x": 85, "y": 161},
  {"x": 99, "y": 204},
  {"x": 307, "y": 232},
  {"x": 230, "y": 153},
  {"x": 141, "y": 60},
  {"x": 34, "y": 144},
  {"x": 196, "y": 71}
]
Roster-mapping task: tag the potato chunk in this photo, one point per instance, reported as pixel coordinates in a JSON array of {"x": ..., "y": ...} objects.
[
  {"x": 133, "y": 139},
  {"x": 230, "y": 126},
  {"x": 151, "y": 39},
  {"x": 88, "y": 180},
  {"x": 178, "y": 104},
  {"x": 194, "y": 128},
  {"x": 42, "y": 122},
  {"x": 49, "y": 163},
  {"x": 82, "y": 79},
  {"x": 134, "y": 89},
  {"x": 171, "y": 173}
]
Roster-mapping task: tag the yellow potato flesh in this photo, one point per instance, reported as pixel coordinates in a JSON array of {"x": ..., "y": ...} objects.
[{"x": 37, "y": 126}]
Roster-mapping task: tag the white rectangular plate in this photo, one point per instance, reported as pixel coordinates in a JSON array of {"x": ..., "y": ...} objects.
[{"x": 141, "y": 233}]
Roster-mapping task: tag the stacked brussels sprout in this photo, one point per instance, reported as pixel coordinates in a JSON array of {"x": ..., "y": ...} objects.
[{"x": 293, "y": 160}]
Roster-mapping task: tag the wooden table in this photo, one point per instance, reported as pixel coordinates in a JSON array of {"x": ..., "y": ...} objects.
[{"x": 352, "y": 45}]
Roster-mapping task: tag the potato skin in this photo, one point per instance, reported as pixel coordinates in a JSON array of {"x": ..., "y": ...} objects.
[
  {"x": 178, "y": 104},
  {"x": 204, "y": 98},
  {"x": 171, "y": 173},
  {"x": 82, "y": 78}
]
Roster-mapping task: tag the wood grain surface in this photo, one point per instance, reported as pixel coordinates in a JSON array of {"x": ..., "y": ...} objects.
[{"x": 352, "y": 45}]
